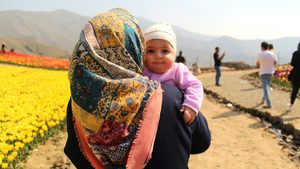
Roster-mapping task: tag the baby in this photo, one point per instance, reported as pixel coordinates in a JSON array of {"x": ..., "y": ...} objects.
[{"x": 159, "y": 65}]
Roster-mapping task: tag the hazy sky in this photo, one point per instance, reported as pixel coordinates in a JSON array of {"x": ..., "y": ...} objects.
[{"x": 242, "y": 19}]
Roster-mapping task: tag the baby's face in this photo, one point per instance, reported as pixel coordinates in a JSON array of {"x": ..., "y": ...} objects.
[{"x": 160, "y": 55}]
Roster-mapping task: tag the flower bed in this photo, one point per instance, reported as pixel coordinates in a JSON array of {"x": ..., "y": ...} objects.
[
  {"x": 32, "y": 107},
  {"x": 34, "y": 61},
  {"x": 281, "y": 74},
  {"x": 279, "y": 78}
]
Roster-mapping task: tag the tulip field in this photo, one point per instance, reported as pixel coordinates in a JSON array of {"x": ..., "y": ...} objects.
[
  {"x": 34, "y": 61},
  {"x": 281, "y": 74},
  {"x": 32, "y": 107}
]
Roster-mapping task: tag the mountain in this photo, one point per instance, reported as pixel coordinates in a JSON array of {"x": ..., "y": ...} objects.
[
  {"x": 58, "y": 28},
  {"x": 58, "y": 31},
  {"x": 33, "y": 47}
]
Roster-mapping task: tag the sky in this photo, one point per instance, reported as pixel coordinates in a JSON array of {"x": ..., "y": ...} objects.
[{"x": 241, "y": 19}]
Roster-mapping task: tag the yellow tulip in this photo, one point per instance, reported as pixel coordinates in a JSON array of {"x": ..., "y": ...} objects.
[
  {"x": 4, "y": 165},
  {"x": 1, "y": 157},
  {"x": 10, "y": 158},
  {"x": 21, "y": 145},
  {"x": 5, "y": 150},
  {"x": 45, "y": 128}
]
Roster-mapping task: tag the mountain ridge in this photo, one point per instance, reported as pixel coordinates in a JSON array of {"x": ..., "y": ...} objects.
[{"x": 61, "y": 29}]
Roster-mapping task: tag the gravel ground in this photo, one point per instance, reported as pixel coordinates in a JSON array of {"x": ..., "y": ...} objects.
[{"x": 242, "y": 92}]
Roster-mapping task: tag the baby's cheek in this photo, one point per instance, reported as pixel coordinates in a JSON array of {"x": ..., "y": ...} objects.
[{"x": 170, "y": 62}]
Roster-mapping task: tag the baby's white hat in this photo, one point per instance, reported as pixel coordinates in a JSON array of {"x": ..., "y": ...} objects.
[{"x": 161, "y": 31}]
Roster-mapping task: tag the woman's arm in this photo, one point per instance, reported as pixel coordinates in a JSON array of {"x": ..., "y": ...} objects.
[
  {"x": 175, "y": 140},
  {"x": 201, "y": 135}
]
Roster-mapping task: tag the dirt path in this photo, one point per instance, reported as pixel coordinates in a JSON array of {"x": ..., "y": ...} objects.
[
  {"x": 49, "y": 155},
  {"x": 238, "y": 142},
  {"x": 242, "y": 92}
]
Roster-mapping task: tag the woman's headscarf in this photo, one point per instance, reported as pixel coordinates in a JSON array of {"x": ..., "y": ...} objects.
[
  {"x": 298, "y": 49},
  {"x": 110, "y": 99}
]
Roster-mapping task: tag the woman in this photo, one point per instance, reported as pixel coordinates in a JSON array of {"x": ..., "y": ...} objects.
[
  {"x": 295, "y": 76},
  {"x": 115, "y": 115}
]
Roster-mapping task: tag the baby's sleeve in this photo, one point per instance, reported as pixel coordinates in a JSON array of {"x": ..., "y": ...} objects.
[{"x": 192, "y": 87}]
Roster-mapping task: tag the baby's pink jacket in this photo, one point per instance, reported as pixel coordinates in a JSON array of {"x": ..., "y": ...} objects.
[{"x": 180, "y": 75}]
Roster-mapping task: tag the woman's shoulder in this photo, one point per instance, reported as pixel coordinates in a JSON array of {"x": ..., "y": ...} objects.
[
  {"x": 171, "y": 93},
  {"x": 169, "y": 88}
]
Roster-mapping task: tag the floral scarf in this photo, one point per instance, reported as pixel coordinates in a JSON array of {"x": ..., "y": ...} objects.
[{"x": 116, "y": 110}]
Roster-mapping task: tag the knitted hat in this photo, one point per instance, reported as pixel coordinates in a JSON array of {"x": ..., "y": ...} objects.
[{"x": 161, "y": 31}]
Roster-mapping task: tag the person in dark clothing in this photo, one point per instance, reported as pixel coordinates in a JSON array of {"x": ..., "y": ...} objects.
[
  {"x": 218, "y": 58},
  {"x": 3, "y": 46},
  {"x": 115, "y": 115},
  {"x": 295, "y": 62},
  {"x": 180, "y": 58}
]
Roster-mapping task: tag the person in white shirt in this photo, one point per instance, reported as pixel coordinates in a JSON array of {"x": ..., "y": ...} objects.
[
  {"x": 271, "y": 49},
  {"x": 265, "y": 62}
]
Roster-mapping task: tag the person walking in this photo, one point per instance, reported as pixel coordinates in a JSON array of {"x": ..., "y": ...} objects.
[
  {"x": 180, "y": 58},
  {"x": 271, "y": 49},
  {"x": 295, "y": 62},
  {"x": 218, "y": 58},
  {"x": 265, "y": 62}
]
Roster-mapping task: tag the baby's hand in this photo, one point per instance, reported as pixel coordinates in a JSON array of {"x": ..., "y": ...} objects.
[{"x": 188, "y": 114}]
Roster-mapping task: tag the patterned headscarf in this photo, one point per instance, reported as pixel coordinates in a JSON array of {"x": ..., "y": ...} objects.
[{"x": 108, "y": 93}]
